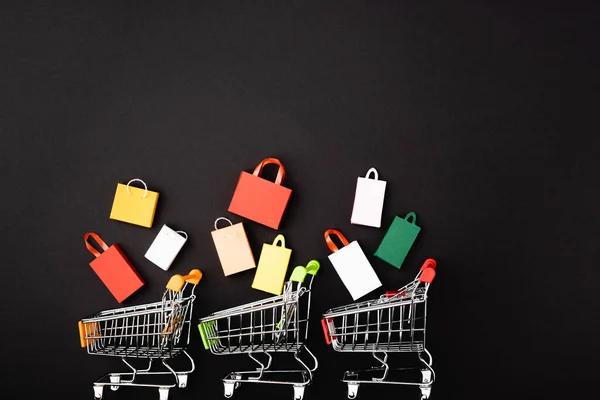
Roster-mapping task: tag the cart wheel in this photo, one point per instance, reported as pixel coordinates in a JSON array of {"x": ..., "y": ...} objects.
[
  {"x": 352, "y": 390},
  {"x": 98, "y": 392},
  {"x": 425, "y": 393},
  {"x": 298, "y": 392},
  {"x": 426, "y": 375},
  {"x": 163, "y": 393},
  {"x": 182, "y": 378},
  {"x": 229, "y": 388},
  {"x": 115, "y": 379}
]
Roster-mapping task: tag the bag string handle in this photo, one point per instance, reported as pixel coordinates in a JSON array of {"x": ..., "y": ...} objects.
[{"x": 143, "y": 183}]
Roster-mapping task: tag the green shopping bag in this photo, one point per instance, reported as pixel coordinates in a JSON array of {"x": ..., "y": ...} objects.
[{"x": 398, "y": 240}]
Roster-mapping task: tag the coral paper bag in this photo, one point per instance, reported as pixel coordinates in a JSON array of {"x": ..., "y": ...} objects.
[
  {"x": 113, "y": 269},
  {"x": 368, "y": 200},
  {"x": 134, "y": 205},
  {"x": 258, "y": 199},
  {"x": 352, "y": 266},
  {"x": 398, "y": 240},
  {"x": 272, "y": 267},
  {"x": 233, "y": 248}
]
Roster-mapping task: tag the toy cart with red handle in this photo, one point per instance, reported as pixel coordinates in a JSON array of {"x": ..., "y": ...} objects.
[{"x": 392, "y": 323}]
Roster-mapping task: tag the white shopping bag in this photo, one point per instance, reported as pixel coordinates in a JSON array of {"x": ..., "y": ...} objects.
[
  {"x": 368, "y": 200},
  {"x": 352, "y": 266},
  {"x": 165, "y": 247}
]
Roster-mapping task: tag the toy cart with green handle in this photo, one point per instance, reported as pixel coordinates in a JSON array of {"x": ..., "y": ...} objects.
[{"x": 278, "y": 324}]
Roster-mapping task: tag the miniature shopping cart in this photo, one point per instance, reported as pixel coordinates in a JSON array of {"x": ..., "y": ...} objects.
[
  {"x": 393, "y": 323},
  {"x": 278, "y": 324},
  {"x": 155, "y": 331}
]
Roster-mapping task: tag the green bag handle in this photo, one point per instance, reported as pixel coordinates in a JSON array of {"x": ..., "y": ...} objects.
[{"x": 414, "y": 217}]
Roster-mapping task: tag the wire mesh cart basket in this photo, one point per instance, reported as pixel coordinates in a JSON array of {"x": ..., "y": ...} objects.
[
  {"x": 278, "y": 324},
  {"x": 393, "y": 323},
  {"x": 154, "y": 331}
]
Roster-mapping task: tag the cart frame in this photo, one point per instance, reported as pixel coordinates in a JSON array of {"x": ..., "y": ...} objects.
[
  {"x": 278, "y": 324},
  {"x": 393, "y": 323},
  {"x": 152, "y": 331}
]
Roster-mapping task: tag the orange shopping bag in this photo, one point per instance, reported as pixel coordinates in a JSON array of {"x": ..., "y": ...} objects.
[
  {"x": 261, "y": 200},
  {"x": 113, "y": 269}
]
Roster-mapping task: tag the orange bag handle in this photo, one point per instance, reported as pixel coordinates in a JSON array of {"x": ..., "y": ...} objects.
[
  {"x": 97, "y": 239},
  {"x": 330, "y": 243},
  {"x": 280, "y": 172}
]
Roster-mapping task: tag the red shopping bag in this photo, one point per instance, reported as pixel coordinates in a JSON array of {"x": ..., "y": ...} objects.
[
  {"x": 113, "y": 269},
  {"x": 261, "y": 200}
]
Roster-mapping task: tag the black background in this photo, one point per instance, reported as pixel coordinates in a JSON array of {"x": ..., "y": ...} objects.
[{"x": 481, "y": 116}]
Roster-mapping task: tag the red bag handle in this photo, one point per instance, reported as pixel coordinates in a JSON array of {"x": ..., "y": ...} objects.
[
  {"x": 330, "y": 243},
  {"x": 98, "y": 240},
  {"x": 280, "y": 171}
]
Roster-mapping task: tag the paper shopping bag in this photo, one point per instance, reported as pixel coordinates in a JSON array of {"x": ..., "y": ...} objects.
[
  {"x": 352, "y": 266},
  {"x": 233, "y": 248},
  {"x": 165, "y": 247},
  {"x": 134, "y": 205},
  {"x": 272, "y": 267},
  {"x": 398, "y": 240},
  {"x": 258, "y": 199},
  {"x": 368, "y": 200},
  {"x": 113, "y": 269}
]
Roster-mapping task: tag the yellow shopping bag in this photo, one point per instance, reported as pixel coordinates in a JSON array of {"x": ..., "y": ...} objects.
[
  {"x": 272, "y": 267},
  {"x": 134, "y": 205}
]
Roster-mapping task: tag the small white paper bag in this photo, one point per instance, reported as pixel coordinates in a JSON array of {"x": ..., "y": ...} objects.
[
  {"x": 368, "y": 200},
  {"x": 352, "y": 266},
  {"x": 165, "y": 247}
]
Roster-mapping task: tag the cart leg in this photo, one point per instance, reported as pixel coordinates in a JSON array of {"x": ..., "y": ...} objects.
[
  {"x": 115, "y": 379},
  {"x": 182, "y": 378},
  {"x": 98, "y": 391},
  {"x": 298, "y": 392},
  {"x": 352, "y": 390},
  {"x": 163, "y": 393}
]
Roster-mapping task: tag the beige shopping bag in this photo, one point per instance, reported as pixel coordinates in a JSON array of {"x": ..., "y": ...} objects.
[{"x": 233, "y": 247}]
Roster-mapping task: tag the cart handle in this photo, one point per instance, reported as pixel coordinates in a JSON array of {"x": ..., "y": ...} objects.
[
  {"x": 429, "y": 263},
  {"x": 300, "y": 272},
  {"x": 177, "y": 281},
  {"x": 427, "y": 276},
  {"x": 312, "y": 267}
]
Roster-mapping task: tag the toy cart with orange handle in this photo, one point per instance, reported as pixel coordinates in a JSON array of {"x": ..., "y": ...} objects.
[
  {"x": 392, "y": 323},
  {"x": 154, "y": 331}
]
